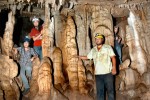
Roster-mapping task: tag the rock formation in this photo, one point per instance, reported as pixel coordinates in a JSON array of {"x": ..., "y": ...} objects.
[
  {"x": 135, "y": 48},
  {"x": 8, "y": 68}
]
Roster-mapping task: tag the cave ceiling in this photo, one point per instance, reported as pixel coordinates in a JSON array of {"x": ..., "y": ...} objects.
[{"x": 118, "y": 8}]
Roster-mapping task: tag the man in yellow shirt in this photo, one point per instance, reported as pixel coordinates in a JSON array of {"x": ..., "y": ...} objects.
[{"x": 105, "y": 67}]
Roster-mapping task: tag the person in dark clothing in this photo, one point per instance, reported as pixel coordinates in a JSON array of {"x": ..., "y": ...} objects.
[{"x": 118, "y": 45}]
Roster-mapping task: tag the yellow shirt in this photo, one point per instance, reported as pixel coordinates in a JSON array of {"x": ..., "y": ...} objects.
[{"x": 102, "y": 59}]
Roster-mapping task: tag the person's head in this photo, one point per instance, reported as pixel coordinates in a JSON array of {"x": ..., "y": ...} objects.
[
  {"x": 35, "y": 21},
  {"x": 99, "y": 39},
  {"x": 26, "y": 42},
  {"x": 116, "y": 29}
]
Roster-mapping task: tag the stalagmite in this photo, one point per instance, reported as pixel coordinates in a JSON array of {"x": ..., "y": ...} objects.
[
  {"x": 135, "y": 49},
  {"x": 130, "y": 79},
  {"x": 125, "y": 64},
  {"x": 69, "y": 50},
  {"x": 57, "y": 64},
  {"x": 46, "y": 90},
  {"x": 82, "y": 78},
  {"x": 34, "y": 82},
  {"x": 8, "y": 70},
  {"x": 8, "y": 35}
]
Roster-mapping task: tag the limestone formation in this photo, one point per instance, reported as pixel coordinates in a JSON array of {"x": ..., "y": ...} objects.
[
  {"x": 57, "y": 65},
  {"x": 46, "y": 91},
  {"x": 60, "y": 24},
  {"x": 69, "y": 51},
  {"x": 8, "y": 68},
  {"x": 135, "y": 48},
  {"x": 8, "y": 71},
  {"x": 8, "y": 35},
  {"x": 102, "y": 23},
  {"x": 83, "y": 24},
  {"x": 34, "y": 82},
  {"x": 48, "y": 47},
  {"x": 47, "y": 33}
]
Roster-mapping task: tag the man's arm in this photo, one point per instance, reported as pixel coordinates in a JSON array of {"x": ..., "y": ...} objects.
[
  {"x": 83, "y": 57},
  {"x": 113, "y": 59}
]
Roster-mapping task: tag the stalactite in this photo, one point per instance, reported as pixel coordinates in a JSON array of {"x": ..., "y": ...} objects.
[
  {"x": 59, "y": 28},
  {"x": 29, "y": 8},
  {"x": 82, "y": 22},
  {"x": 41, "y": 3},
  {"x": 13, "y": 8}
]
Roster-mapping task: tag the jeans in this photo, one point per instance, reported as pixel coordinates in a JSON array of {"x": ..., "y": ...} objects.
[
  {"x": 102, "y": 82},
  {"x": 25, "y": 70},
  {"x": 38, "y": 50},
  {"x": 119, "y": 53}
]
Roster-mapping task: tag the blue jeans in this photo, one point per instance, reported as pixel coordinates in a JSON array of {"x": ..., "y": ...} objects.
[
  {"x": 38, "y": 50},
  {"x": 25, "y": 70},
  {"x": 119, "y": 53},
  {"x": 102, "y": 82}
]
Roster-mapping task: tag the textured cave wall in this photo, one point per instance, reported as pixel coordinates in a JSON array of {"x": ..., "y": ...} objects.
[{"x": 68, "y": 32}]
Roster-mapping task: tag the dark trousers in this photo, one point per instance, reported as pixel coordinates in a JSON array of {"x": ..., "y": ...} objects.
[{"x": 102, "y": 82}]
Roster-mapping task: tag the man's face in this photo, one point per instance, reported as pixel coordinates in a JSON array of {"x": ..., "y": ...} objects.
[
  {"x": 36, "y": 23},
  {"x": 26, "y": 44},
  {"x": 115, "y": 29},
  {"x": 99, "y": 41}
]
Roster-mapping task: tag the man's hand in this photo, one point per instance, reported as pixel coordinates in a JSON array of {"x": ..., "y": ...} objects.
[{"x": 113, "y": 71}]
